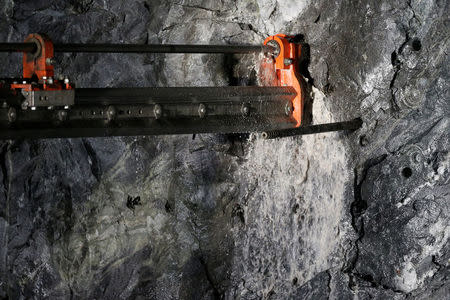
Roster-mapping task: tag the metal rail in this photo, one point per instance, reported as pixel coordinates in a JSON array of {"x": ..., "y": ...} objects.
[
  {"x": 313, "y": 129},
  {"x": 153, "y": 111},
  {"x": 224, "y": 94},
  {"x": 132, "y": 48}
]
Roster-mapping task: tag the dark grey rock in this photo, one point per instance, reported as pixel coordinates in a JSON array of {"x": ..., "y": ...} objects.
[{"x": 341, "y": 216}]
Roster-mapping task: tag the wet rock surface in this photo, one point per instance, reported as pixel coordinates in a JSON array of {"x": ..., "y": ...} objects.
[{"x": 338, "y": 215}]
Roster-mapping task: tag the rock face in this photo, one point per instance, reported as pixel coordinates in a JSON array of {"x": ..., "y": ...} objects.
[{"x": 339, "y": 215}]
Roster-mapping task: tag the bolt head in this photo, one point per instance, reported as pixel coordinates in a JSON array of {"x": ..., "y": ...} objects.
[
  {"x": 288, "y": 108},
  {"x": 12, "y": 114},
  {"x": 62, "y": 115},
  {"x": 245, "y": 110},
  {"x": 288, "y": 61},
  {"x": 157, "y": 111},
  {"x": 111, "y": 113},
  {"x": 202, "y": 110}
]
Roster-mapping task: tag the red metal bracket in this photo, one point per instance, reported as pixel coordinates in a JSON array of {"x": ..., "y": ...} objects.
[
  {"x": 285, "y": 63},
  {"x": 38, "y": 85},
  {"x": 38, "y": 63}
]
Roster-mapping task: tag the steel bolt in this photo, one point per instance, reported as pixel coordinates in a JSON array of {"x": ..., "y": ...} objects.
[
  {"x": 50, "y": 61},
  {"x": 202, "y": 110},
  {"x": 245, "y": 110},
  {"x": 288, "y": 108},
  {"x": 12, "y": 114},
  {"x": 157, "y": 110},
  {"x": 62, "y": 115},
  {"x": 111, "y": 113},
  {"x": 288, "y": 61}
]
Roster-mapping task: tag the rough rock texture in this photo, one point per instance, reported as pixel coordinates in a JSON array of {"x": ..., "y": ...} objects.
[{"x": 341, "y": 216}]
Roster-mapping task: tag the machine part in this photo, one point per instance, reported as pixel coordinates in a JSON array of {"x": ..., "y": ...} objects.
[
  {"x": 110, "y": 113},
  {"x": 286, "y": 65},
  {"x": 50, "y": 98},
  {"x": 288, "y": 108},
  {"x": 102, "y": 112},
  {"x": 313, "y": 129},
  {"x": 275, "y": 109},
  {"x": 38, "y": 87},
  {"x": 62, "y": 115},
  {"x": 224, "y": 95},
  {"x": 157, "y": 111},
  {"x": 33, "y": 46},
  {"x": 35, "y": 62},
  {"x": 202, "y": 110},
  {"x": 12, "y": 114},
  {"x": 245, "y": 110}
]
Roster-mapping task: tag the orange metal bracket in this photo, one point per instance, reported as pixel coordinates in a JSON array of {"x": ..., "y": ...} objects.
[
  {"x": 38, "y": 63},
  {"x": 286, "y": 63},
  {"x": 38, "y": 66}
]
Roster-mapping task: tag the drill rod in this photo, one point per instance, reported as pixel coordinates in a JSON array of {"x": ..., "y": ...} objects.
[
  {"x": 133, "y": 48},
  {"x": 312, "y": 129}
]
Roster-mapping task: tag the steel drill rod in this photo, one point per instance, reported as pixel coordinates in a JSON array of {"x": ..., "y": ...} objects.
[
  {"x": 227, "y": 94},
  {"x": 17, "y": 47},
  {"x": 132, "y": 48},
  {"x": 312, "y": 129}
]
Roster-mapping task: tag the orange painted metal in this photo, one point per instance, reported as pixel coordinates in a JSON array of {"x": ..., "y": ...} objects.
[
  {"x": 38, "y": 67},
  {"x": 285, "y": 68},
  {"x": 38, "y": 63}
]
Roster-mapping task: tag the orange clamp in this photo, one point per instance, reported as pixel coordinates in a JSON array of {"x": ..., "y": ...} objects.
[
  {"x": 285, "y": 63},
  {"x": 38, "y": 63}
]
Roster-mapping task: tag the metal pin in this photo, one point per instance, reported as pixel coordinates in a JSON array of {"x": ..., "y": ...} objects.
[
  {"x": 245, "y": 110},
  {"x": 288, "y": 108},
  {"x": 288, "y": 61},
  {"x": 111, "y": 113},
  {"x": 62, "y": 115},
  {"x": 202, "y": 110},
  {"x": 157, "y": 110},
  {"x": 12, "y": 114}
]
